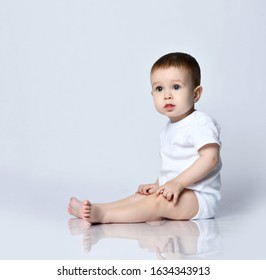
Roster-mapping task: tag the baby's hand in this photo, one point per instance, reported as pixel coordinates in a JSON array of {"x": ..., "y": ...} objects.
[
  {"x": 170, "y": 190},
  {"x": 147, "y": 189}
]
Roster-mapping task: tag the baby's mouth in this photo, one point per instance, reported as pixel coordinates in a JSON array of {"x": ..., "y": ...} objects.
[{"x": 169, "y": 107}]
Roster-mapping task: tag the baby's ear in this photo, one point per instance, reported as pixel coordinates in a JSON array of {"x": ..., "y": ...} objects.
[{"x": 197, "y": 93}]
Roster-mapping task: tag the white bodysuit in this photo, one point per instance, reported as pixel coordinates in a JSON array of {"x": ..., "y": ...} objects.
[{"x": 180, "y": 142}]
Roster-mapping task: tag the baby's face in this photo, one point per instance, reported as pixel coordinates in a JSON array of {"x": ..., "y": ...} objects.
[{"x": 173, "y": 92}]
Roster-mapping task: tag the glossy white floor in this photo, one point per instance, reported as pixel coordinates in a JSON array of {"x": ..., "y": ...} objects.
[{"x": 37, "y": 226}]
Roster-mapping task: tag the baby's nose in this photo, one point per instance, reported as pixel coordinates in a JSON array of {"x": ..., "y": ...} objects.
[{"x": 167, "y": 96}]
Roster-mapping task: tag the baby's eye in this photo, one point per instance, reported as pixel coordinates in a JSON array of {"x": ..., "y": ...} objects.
[
  {"x": 176, "y": 87},
  {"x": 159, "y": 89}
]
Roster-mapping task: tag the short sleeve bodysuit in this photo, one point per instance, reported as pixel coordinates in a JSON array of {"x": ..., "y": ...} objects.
[{"x": 180, "y": 142}]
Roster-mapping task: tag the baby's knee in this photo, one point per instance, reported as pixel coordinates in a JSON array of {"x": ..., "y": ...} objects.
[
  {"x": 153, "y": 200},
  {"x": 159, "y": 202}
]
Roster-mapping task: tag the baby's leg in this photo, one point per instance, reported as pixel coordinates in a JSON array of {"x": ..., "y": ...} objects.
[
  {"x": 125, "y": 201},
  {"x": 144, "y": 209},
  {"x": 153, "y": 208}
]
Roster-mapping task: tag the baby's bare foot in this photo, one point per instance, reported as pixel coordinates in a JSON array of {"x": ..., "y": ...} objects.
[{"x": 79, "y": 209}]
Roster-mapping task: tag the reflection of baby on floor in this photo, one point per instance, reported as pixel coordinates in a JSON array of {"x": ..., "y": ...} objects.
[{"x": 167, "y": 239}]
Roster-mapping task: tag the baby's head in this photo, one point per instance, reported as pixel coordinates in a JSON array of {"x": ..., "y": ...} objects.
[
  {"x": 175, "y": 80},
  {"x": 182, "y": 61}
]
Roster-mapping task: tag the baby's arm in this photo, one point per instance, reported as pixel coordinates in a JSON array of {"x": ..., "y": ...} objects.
[
  {"x": 208, "y": 159},
  {"x": 148, "y": 188}
]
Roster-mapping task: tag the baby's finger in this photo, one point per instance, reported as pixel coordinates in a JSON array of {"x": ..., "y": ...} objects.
[
  {"x": 160, "y": 191},
  {"x": 140, "y": 189},
  {"x": 169, "y": 196},
  {"x": 151, "y": 190},
  {"x": 175, "y": 198}
]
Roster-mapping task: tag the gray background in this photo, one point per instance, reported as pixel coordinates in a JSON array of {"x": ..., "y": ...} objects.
[{"x": 76, "y": 114}]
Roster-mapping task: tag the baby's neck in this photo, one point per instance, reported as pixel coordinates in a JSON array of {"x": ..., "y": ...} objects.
[{"x": 181, "y": 117}]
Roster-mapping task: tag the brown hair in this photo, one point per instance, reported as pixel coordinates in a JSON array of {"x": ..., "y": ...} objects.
[{"x": 180, "y": 60}]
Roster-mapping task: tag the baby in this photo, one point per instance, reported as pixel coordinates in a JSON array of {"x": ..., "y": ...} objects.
[{"x": 188, "y": 186}]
